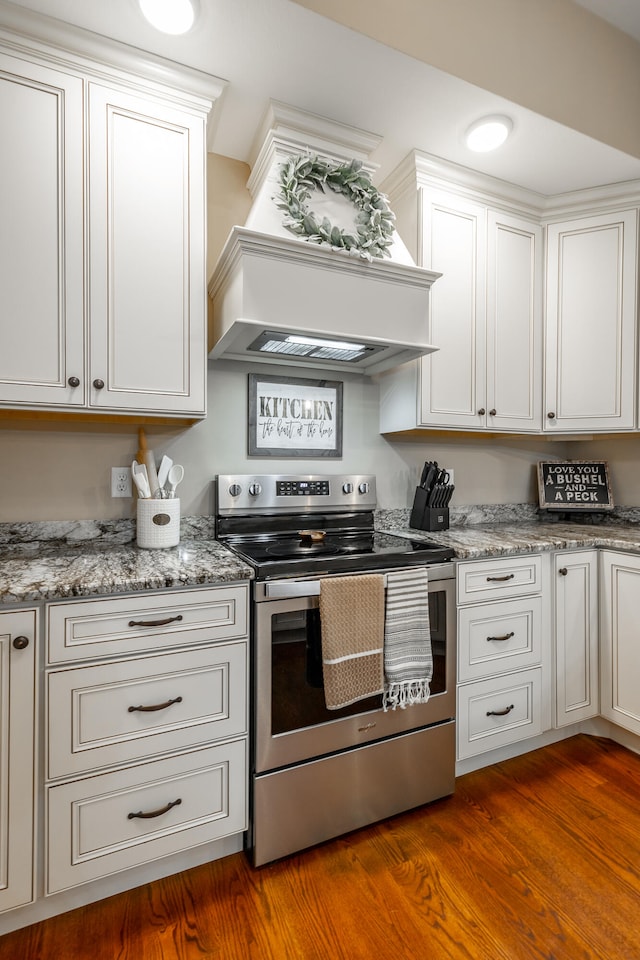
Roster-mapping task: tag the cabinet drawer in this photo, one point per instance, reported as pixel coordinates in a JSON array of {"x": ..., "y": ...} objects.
[
  {"x": 493, "y": 713},
  {"x": 494, "y": 579},
  {"x": 499, "y": 637},
  {"x": 191, "y": 698},
  {"x": 189, "y": 800},
  {"x": 123, "y": 625}
]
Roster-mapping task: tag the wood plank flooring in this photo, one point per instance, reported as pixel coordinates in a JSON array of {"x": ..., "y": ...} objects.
[{"x": 536, "y": 857}]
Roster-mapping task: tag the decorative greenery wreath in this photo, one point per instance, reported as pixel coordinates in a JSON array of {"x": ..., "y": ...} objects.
[{"x": 301, "y": 175}]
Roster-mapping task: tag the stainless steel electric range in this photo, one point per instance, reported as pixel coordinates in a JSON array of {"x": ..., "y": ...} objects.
[{"x": 319, "y": 773}]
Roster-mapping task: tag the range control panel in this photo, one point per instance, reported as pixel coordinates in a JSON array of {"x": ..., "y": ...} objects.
[{"x": 278, "y": 493}]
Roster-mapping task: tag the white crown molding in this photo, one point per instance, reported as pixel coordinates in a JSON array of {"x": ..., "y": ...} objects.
[
  {"x": 63, "y": 45},
  {"x": 286, "y": 130}
]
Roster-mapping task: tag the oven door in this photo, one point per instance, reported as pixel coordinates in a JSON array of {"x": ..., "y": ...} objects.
[{"x": 292, "y": 723}]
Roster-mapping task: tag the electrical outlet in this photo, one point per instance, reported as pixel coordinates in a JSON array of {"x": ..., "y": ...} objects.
[{"x": 121, "y": 482}]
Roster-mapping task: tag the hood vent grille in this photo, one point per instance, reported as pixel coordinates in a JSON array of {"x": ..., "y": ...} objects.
[{"x": 314, "y": 348}]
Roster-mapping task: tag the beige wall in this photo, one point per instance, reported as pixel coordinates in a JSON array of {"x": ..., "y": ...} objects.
[{"x": 550, "y": 56}]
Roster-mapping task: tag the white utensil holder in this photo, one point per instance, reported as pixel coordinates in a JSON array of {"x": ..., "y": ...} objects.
[{"x": 158, "y": 523}]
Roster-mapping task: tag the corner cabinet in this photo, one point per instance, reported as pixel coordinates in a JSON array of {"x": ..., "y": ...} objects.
[
  {"x": 619, "y": 654},
  {"x": 18, "y": 637},
  {"x": 485, "y": 318},
  {"x": 105, "y": 300},
  {"x": 591, "y": 315}
]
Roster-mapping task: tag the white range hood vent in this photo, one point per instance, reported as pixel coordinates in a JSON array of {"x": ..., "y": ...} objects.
[{"x": 280, "y": 298}]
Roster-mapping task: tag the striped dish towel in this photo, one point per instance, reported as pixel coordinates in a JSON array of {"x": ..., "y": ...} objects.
[
  {"x": 408, "y": 658},
  {"x": 352, "y": 622}
]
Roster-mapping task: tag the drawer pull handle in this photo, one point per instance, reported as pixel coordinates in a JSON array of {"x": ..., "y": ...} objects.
[
  {"x": 500, "y": 713},
  {"x": 509, "y": 576},
  {"x": 507, "y": 636},
  {"x": 141, "y": 815},
  {"x": 368, "y": 726},
  {"x": 154, "y": 623},
  {"x": 155, "y": 706}
]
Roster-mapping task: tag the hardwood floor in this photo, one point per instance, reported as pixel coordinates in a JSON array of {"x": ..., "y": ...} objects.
[{"x": 536, "y": 857}]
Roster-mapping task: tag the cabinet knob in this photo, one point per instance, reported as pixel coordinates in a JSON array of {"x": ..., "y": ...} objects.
[
  {"x": 98, "y": 384},
  {"x": 21, "y": 643},
  {"x": 492, "y": 412},
  {"x": 481, "y": 412},
  {"x": 73, "y": 382},
  {"x": 551, "y": 416},
  {"x": 563, "y": 571}
]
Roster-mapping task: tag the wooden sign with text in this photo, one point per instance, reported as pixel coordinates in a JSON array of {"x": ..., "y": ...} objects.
[{"x": 574, "y": 485}]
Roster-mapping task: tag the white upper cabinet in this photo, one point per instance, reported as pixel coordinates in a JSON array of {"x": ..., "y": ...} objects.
[
  {"x": 591, "y": 323},
  {"x": 102, "y": 248},
  {"x": 41, "y": 239},
  {"x": 514, "y": 323},
  {"x": 486, "y": 320},
  {"x": 147, "y": 268}
]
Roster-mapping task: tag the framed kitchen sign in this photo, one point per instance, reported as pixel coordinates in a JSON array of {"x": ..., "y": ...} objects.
[
  {"x": 574, "y": 485},
  {"x": 291, "y": 417}
]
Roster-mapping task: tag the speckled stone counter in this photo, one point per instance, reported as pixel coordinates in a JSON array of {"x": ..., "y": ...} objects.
[
  {"x": 515, "y": 529},
  {"x": 97, "y": 559},
  {"x": 53, "y": 561}
]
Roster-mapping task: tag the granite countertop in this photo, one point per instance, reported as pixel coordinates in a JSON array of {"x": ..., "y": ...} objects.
[
  {"x": 507, "y": 539},
  {"x": 90, "y": 559},
  {"x": 55, "y": 561}
]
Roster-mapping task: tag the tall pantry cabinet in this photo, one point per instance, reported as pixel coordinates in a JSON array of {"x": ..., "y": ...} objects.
[{"x": 102, "y": 249}]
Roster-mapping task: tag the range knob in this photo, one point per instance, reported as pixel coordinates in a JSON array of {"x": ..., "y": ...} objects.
[
  {"x": 363, "y": 487},
  {"x": 255, "y": 489},
  {"x": 235, "y": 489},
  {"x": 347, "y": 488}
]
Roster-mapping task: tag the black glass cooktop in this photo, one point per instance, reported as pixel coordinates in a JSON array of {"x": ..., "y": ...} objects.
[{"x": 293, "y": 555}]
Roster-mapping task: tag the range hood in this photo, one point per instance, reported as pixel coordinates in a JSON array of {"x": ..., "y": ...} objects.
[{"x": 278, "y": 298}]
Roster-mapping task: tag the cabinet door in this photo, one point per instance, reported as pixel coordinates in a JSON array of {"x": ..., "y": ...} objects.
[
  {"x": 147, "y": 267},
  {"x": 619, "y": 619},
  {"x": 41, "y": 236},
  {"x": 17, "y": 684},
  {"x": 576, "y": 631},
  {"x": 591, "y": 320},
  {"x": 514, "y": 324},
  {"x": 453, "y": 379}
]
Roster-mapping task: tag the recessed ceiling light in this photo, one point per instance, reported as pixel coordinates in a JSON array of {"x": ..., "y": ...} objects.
[
  {"x": 169, "y": 16},
  {"x": 488, "y": 133}
]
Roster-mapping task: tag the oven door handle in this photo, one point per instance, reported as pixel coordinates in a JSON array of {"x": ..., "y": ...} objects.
[{"x": 283, "y": 590}]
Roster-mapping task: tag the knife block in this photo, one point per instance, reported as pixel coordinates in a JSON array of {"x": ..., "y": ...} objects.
[{"x": 428, "y": 518}]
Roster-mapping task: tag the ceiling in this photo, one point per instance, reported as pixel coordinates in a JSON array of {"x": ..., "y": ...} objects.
[
  {"x": 623, "y": 14},
  {"x": 276, "y": 49}
]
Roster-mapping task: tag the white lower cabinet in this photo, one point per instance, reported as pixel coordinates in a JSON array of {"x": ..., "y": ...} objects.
[
  {"x": 146, "y": 752},
  {"x": 575, "y": 594},
  {"x": 18, "y": 637},
  {"x": 500, "y": 653},
  {"x": 619, "y": 639}
]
